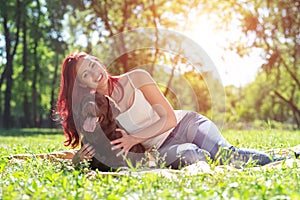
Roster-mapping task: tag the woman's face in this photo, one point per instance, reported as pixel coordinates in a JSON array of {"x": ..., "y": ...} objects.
[{"x": 91, "y": 73}]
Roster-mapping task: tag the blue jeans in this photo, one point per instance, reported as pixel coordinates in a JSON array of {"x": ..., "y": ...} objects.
[{"x": 196, "y": 138}]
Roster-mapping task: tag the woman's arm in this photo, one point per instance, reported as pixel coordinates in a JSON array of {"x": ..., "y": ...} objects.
[
  {"x": 143, "y": 81},
  {"x": 162, "y": 107},
  {"x": 159, "y": 103}
]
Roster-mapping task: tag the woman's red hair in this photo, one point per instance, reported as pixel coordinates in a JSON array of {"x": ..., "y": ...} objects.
[{"x": 65, "y": 96}]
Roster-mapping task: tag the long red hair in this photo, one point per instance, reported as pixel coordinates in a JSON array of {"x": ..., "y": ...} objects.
[{"x": 65, "y": 97}]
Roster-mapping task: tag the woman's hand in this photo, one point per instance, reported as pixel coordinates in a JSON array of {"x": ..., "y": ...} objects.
[
  {"x": 87, "y": 151},
  {"x": 125, "y": 143}
]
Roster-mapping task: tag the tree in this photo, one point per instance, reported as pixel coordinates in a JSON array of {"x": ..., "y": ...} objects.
[
  {"x": 32, "y": 33},
  {"x": 42, "y": 30},
  {"x": 93, "y": 24},
  {"x": 272, "y": 26},
  {"x": 25, "y": 68},
  {"x": 11, "y": 29}
]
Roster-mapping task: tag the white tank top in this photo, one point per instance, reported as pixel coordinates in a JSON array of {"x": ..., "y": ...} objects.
[{"x": 141, "y": 115}]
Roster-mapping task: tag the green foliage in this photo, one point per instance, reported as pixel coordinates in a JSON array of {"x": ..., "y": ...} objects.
[
  {"x": 53, "y": 27},
  {"x": 42, "y": 179},
  {"x": 33, "y": 66},
  {"x": 56, "y": 27},
  {"x": 257, "y": 101},
  {"x": 272, "y": 27}
]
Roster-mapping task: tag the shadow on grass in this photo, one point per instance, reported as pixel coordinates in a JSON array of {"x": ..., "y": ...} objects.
[{"x": 23, "y": 132}]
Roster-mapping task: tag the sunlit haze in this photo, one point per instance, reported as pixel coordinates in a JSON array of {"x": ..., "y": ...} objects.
[{"x": 233, "y": 69}]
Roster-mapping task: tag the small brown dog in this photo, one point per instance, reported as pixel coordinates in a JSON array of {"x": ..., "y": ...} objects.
[{"x": 98, "y": 106}]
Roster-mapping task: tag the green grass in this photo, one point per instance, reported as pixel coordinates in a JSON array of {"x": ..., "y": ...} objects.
[{"x": 41, "y": 179}]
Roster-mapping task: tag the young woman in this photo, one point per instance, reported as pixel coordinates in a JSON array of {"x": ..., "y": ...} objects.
[{"x": 181, "y": 137}]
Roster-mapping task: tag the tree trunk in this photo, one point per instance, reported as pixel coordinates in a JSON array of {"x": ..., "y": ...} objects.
[
  {"x": 52, "y": 102},
  {"x": 9, "y": 62},
  {"x": 172, "y": 75},
  {"x": 27, "y": 116},
  {"x": 33, "y": 87},
  {"x": 153, "y": 10},
  {"x": 7, "y": 109},
  {"x": 34, "y": 92}
]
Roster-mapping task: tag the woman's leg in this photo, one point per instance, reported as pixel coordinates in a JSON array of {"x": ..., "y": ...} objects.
[
  {"x": 199, "y": 130},
  {"x": 180, "y": 155},
  {"x": 239, "y": 157},
  {"x": 208, "y": 137},
  {"x": 205, "y": 134},
  {"x": 180, "y": 143}
]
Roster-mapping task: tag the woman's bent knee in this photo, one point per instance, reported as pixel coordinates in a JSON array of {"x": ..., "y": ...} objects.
[{"x": 186, "y": 154}]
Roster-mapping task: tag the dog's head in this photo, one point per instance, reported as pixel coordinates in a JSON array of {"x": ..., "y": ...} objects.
[{"x": 95, "y": 109}]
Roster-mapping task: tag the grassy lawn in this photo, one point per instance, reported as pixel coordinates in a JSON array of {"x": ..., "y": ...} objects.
[{"x": 42, "y": 179}]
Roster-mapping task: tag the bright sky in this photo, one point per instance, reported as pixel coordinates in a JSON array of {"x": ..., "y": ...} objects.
[{"x": 232, "y": 69}]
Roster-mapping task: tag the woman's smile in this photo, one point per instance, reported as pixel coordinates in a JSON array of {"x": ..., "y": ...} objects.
[{"x": 91, "y": 73}]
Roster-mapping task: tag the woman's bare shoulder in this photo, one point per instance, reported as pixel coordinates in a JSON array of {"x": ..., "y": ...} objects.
[
  {"x": 138, "y": 72},
  {"x": 137, "y": 77},
  {"x": 135, "y": 73},
  {"x": 140, "y": 77}
]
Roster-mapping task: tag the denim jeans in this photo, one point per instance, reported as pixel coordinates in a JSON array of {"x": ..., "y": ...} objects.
[{"x": 196, "y": 138}]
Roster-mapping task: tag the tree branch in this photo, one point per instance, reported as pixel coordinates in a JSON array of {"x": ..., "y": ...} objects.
[
  {"x": 154, "y": 18},
  {"x": 293, "y": 75},
  {"x": 289, "y": 102}
]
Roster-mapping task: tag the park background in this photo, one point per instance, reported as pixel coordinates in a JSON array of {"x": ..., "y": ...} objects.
[
  {"x": 254, "y": 45},
  {"x": 36, "y": 35}
]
